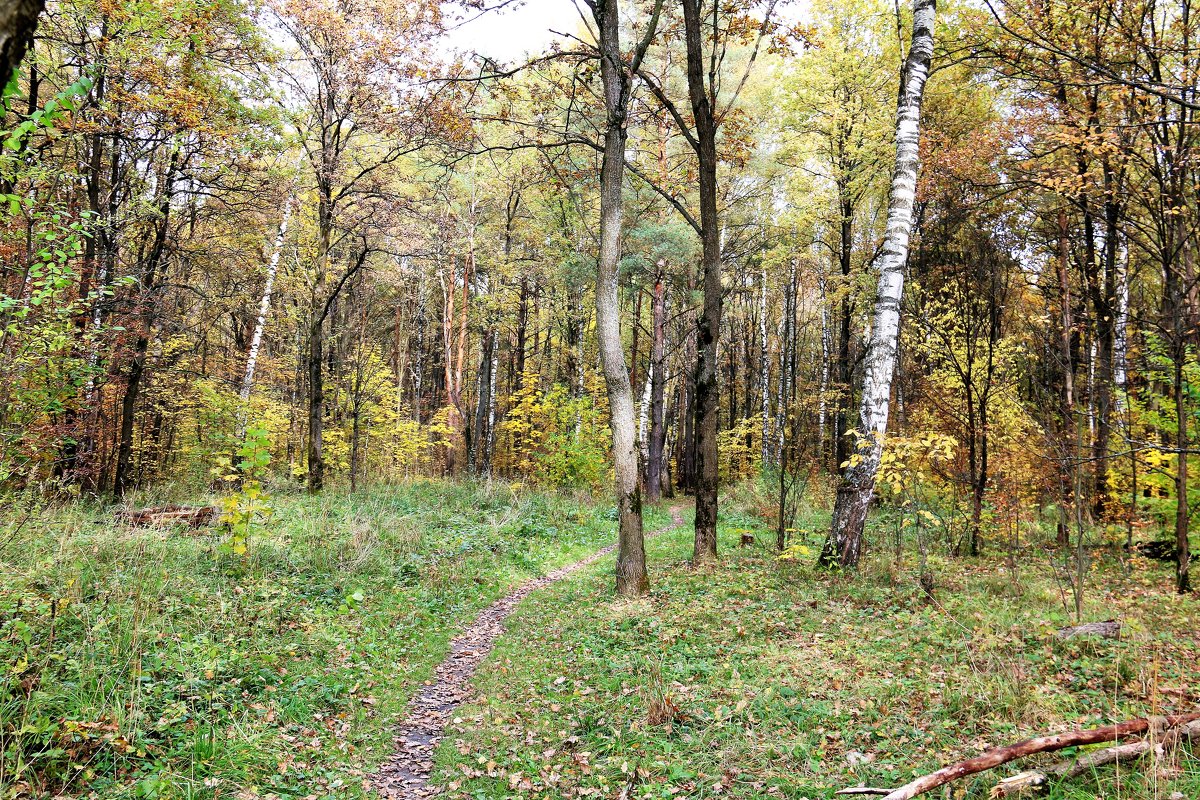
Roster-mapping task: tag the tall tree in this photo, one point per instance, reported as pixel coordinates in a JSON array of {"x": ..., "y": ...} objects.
[
  {"x": 844, "y": 543},
  {"x": 617, "y": 77},
  {"x": 707, "y": 42}
]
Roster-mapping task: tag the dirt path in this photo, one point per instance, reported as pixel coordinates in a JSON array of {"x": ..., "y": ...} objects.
[{"x": 405, "y": 776}]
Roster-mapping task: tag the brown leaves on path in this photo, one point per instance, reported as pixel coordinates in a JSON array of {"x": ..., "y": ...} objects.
[{"x": 405, "y": 775}]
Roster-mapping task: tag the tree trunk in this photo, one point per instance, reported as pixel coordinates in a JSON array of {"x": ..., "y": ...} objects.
[
  {"x": 1183, "y": 582},
  {"x": 490, "y": 441},
  {"x": 522, "y": 328},
  {"x": 841, "y": 428},
  {"x": 1066, "y": 329},
  {"x": 854, "y": 494},
  {"x": 708, "y": 397},
  {"x": 632, "y": 579},
  {"x": 316, "y": 406},
  {"x": 823, "y": 392},
  {"x": 658, "y": 384},
  {"x": 137, "y": 367},
  {"x": 764, "y": 367},
  {"x": 18, "y": 20},
  {"x": 483, "y": 404},
  {"x": 264, "y": 308}
]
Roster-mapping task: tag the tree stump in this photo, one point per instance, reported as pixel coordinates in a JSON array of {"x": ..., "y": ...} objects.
[{"x": 1110, "y": 629}]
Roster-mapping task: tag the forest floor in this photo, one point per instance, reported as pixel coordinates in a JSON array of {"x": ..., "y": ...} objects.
[{"x": 147, "y": 663}]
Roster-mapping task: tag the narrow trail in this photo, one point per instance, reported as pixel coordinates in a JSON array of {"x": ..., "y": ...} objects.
[{"x": 405, "y": 775}]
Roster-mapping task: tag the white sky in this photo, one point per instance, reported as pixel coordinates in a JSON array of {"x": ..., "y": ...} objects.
[
  {"x": 523, "y": 27},
  {"x": 515, "y": 31}
]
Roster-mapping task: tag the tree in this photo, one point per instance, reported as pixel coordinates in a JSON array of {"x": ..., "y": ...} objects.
[
  {"x": 363, "y": 116},
  {"x": 704, "y": 65},
  {"x": 617, "y": 78},
  {"x": 18, "y": 20},
  {"x": 844, "y": 543}
]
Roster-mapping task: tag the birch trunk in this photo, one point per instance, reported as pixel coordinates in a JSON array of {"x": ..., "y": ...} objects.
[
  {"x": 764, "y": 367},
  {"x": 1120, "y": 335},
  {"x": 264, "y": 309},
  {"x": 854, "y": 494},
  {"x": 644, "y": 418},
  {"x": 826, "y": 349}
]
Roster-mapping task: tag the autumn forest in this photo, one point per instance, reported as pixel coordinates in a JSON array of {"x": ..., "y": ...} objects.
[{"x": 607, "y": 398}]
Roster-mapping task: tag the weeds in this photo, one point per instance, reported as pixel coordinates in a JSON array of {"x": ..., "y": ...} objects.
[{"x": 136, "y": 665}]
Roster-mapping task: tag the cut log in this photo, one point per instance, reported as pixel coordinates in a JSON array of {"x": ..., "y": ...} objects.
[
  {"x": 1110, "y": 629},
  {"x": 191, "y": 516},
  {"x": 1041, "y": 744}
]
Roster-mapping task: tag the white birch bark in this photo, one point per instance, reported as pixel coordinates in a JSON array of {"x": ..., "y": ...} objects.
[
  {"x": 826, "y": 352},
  {"x": 1120, "y": 340},
  {"x": 764, "y": 367},
  {"x": 644, "y": 416},
  {"x": 264, "y": 305},
  {"x": 1091, "y": 392},
  {"x": 854, "y": 494},
  {"x": 781, "y": 333}
]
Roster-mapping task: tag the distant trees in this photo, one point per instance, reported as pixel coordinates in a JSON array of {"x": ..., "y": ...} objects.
[
  {"x": 640, "y": 264},
  {"x": 359, "y": 115}
]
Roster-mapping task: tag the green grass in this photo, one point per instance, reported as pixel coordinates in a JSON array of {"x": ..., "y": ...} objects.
[
  {"x": 757, "y": 678},
  {"x": 145, "y": 663}
]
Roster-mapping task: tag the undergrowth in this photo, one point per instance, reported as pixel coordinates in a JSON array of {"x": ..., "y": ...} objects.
[
  {"x": 760, "y": 678},
  {"x": 154, "y": 663}
]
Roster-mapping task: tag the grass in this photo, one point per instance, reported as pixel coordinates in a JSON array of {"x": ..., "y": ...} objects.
[
  {"x": 147, "y": 663},
  {"x": 756, "y": 678},
  {"x": 142, "y": 662}
]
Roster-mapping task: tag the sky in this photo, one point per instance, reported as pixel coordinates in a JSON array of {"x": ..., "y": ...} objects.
[
  {"x": 515, "y": 31},
  {"x": 523, "y": 27}
]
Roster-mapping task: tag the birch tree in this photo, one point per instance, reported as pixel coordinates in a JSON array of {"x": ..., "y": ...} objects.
[{"x": 858, "y": 481}]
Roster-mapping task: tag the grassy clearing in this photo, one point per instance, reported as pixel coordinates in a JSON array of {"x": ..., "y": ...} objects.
[
  {"x": 145, "y": 663},
  {"x": 757, "y": 678}
]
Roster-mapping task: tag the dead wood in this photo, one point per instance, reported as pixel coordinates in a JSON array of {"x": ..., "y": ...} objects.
[
  {"x": 1041, "y": 744},
  {"x": 191, "y": 516},
  {"x": 1032, "y": 779},
  {"x": 1110, "y": 629},
  {"x": 862, "y": 790}
]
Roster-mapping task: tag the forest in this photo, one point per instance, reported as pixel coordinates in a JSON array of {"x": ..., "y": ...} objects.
[{"x": 599, "y": 398}]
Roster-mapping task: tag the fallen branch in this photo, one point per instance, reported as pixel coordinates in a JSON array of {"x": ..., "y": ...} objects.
[
  {"x": 862, "y": 790},
  {"x": 1031, "y": 779},
  {"x": 1041, "y": 744}
]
